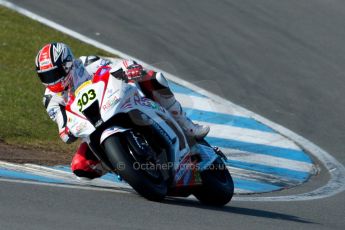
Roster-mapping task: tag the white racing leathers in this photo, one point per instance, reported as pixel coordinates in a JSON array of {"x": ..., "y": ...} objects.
[
  {"x": 55, "y": 102},
  {"x": 83, "y": 70}
]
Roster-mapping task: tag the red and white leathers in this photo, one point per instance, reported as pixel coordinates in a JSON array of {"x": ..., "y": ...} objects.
[{"x": 153, "y": 85}]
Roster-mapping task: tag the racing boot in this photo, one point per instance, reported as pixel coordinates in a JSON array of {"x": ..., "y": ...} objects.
[
  {"x": 190, "y": 128},
  {"x": 85, "y": 165}
]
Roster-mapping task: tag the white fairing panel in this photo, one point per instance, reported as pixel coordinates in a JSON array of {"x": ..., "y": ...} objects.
[
  {"x": 77, "y": 123},
  {"x": 79, "y": 126},
  {"x": 111, "y": 98},
  {"x": 115, "y": 97}
]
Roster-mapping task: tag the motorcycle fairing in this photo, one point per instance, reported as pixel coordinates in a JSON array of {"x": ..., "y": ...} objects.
[{"x": 113, "y": 96}]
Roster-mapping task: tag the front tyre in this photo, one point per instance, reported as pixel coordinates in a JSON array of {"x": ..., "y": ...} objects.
[
  {"x": 218, "y": 187},
  {"x": 124, "y": 163}
]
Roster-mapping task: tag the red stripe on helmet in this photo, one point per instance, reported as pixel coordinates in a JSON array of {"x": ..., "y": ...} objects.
[{"x": 44, "y": 58}]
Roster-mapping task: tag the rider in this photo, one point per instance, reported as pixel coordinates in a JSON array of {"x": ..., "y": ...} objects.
[{"x": 61, "y": 74}]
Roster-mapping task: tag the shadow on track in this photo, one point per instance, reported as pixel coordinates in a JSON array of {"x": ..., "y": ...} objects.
[{"x": 236, "y": 210}]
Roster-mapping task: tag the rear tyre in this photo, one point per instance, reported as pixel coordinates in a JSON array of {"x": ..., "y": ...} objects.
[
  {"x": 151, "y": 187},
  {"x": 218, "y": 187}
]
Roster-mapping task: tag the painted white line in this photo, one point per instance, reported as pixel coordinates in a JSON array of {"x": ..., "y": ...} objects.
[
  {"x": 47, "y": 169},
  {"x": 242, "y": 191},
  {"x": 95, "y": 182},
  {"x": 255, "y": 158},
  {"x": 337, "y": 171},
  {"x": 67, "y": 177},
  {"x": 25, "y": 169},
  {"x": 250, "y": 136}
]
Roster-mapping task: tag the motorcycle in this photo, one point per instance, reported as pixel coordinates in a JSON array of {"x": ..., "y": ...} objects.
[{"x": 139, "y": 140}]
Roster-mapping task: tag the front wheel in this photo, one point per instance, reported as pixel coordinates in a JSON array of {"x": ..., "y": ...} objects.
[
  {"x": 218, "y": 187},
  {"x": 149, "y": 186}
]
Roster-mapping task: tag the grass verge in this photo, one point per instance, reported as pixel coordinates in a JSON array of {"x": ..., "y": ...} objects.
[{"x": 23, "y": 119}]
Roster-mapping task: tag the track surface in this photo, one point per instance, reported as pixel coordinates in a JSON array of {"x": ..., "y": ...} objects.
[{"x": 281, "y": 59}]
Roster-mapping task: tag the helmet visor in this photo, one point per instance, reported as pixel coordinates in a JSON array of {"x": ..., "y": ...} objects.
[{"x": 51, "y": 76}]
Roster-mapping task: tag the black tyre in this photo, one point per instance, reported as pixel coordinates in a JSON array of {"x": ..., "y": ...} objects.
[
  {"x": 149, "y": 186},
  {"x": 218, "y": 186}
]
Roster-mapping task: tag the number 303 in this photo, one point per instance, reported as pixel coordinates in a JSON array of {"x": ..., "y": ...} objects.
[{"x": 85, "y": 98}]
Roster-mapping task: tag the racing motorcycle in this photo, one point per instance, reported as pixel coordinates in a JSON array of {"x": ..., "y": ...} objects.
[{"x": 140, "y": 141}]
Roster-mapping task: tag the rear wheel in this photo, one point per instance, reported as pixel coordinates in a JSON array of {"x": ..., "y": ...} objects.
[
  {"x": 218, "y": 187},
  {"x": 146, "y": 179}
]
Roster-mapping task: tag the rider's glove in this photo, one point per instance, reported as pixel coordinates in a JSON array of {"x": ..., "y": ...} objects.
[
  {"x": 134, "y": 72},
  {"x": 67, "y": 136}
]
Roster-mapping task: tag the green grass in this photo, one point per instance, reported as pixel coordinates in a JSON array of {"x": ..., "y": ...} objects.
[{"x": 23, "y": 119}]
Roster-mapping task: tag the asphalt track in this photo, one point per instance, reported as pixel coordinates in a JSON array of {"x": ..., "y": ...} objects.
[{"x": 280, "y": 59}]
